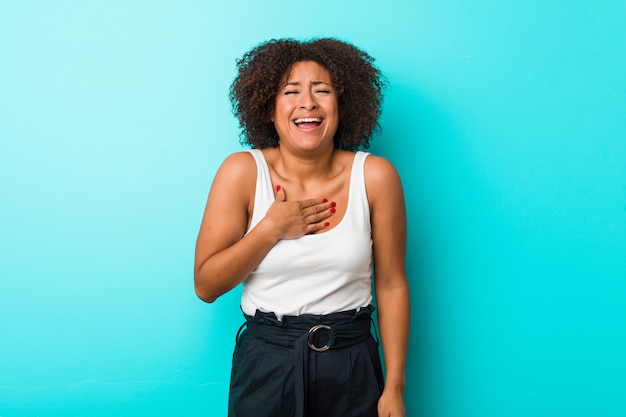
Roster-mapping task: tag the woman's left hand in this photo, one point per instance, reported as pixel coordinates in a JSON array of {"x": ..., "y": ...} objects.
[{"x": 391, "y": 404}]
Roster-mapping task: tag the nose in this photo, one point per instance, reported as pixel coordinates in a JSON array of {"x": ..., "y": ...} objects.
[{"x": 308, "y": 101}]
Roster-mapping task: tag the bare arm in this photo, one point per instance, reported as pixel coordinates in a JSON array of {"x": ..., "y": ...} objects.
[
  {"x": 388, "y": 217},
  {"x": 225, "y": 254}
]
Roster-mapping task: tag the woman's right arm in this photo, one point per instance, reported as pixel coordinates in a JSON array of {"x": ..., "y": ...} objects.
[
  {"x": 225, "y": 254},
  {"x": 223, "y": 257}
]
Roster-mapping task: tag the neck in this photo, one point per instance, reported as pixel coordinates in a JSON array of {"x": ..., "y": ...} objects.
[{"x": 305, "y": 166}]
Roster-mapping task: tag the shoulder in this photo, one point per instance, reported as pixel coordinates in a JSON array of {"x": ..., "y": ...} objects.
[
  {"x": 230, "y": 199},
  {"x": 379, "y": 170},
  {"x": 382, "y": 180},
  {"x": 235, "y": 176},
  {"x": 237, "y": 166},
  {"x": 239, "y": 162}
]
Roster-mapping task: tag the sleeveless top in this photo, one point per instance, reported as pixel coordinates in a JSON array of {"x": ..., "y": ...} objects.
[{"x": 317, "y": 274}]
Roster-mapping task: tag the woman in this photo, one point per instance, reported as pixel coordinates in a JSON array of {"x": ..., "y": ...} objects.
[{"x": 299, "y": 220}]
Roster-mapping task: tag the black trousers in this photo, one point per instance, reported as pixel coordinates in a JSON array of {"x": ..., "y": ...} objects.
[{"x": 340, "y": 382}]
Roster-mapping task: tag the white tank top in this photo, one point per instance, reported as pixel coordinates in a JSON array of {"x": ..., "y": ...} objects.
[{"x": 315, "y": 274}]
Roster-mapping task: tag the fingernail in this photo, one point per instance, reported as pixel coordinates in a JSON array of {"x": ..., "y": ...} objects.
[
  {"x": 325, "y": 201},
  {"x": 278, "y": 188},
  {"x": 326, "y": 224},
  {"x": 332, "y": 210},
  {"x": 333, "y": 204}
]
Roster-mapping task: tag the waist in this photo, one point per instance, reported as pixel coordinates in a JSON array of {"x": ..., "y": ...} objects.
[{"x": 319, "y": 332}]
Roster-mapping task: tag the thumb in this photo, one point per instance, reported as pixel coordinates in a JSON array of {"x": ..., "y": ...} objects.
[{"x": 280, "y": 193}]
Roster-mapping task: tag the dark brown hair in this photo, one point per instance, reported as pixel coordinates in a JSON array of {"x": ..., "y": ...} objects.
[{"x": 357, "y": 82}]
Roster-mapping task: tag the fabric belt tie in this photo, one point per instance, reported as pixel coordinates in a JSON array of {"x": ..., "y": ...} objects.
[{"x": 306, "y": 337}]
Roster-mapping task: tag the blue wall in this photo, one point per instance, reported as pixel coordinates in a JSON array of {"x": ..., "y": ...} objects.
[{"x": 506, "y": 120}]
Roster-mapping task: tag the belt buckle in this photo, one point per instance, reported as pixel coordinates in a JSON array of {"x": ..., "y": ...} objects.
[{"x": 313, "y": 330}]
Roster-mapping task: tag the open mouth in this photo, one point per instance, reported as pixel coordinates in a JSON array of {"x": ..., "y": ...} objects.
[{"x": 308, "y": 122}]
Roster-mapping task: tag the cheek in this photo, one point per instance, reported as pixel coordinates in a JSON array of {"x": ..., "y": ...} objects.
[{"x": 280, "y": 110}]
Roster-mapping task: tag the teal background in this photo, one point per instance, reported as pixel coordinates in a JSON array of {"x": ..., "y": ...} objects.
[{"x": 507, "y": 123}]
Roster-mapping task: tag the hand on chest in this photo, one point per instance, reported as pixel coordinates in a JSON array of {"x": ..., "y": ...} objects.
[{"x": 335, "y": 189}]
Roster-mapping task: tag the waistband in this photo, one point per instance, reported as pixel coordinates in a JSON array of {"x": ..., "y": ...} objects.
[{"x": 307, "y": 334}]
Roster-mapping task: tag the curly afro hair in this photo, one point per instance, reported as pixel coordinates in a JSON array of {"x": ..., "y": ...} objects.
[{"x": 357, "y": 82}]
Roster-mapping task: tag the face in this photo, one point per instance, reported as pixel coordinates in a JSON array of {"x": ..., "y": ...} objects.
[{"x": 306, "y": 114}]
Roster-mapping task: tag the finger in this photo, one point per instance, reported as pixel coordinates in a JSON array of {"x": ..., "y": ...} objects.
[
  {"x": 320, "y": 211},
  {"x": 280, "y": 193},
  {"x": 314, "y": 227},
  {"x": 312, "y": 202},
  {"x": 317, "y": 206}
]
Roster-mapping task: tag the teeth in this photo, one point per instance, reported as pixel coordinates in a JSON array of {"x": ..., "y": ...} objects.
[{"x": 308, "y": 120}]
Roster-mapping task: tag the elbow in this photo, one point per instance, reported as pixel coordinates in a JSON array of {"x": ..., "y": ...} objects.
[
  {"x": 204, "y": 291},
  {"x": 210, "y": 286},
  {"x": 205, "y": 295}
]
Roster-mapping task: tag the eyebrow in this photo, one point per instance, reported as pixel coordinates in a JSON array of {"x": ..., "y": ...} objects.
[{"x": 313, "y": 82}]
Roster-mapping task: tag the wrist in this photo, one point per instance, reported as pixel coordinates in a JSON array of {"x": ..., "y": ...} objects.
[
  {"x": 395, "y": 382},
  {"x": 267, "y": 229}
]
